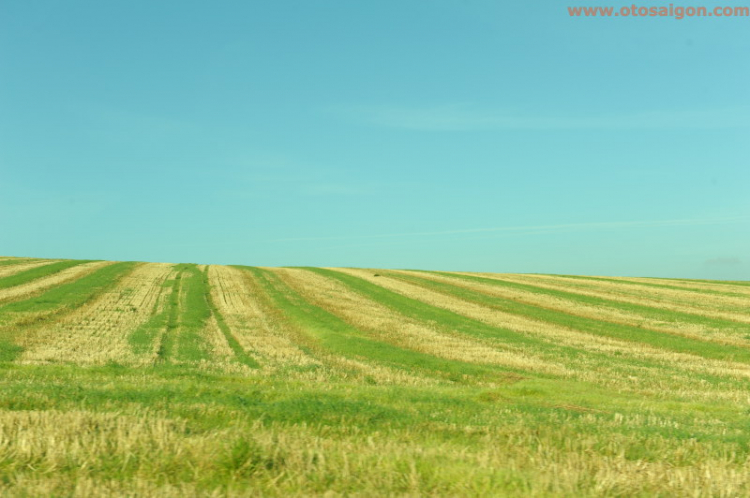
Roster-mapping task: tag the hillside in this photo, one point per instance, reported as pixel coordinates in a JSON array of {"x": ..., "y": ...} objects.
[{"x": 123, "y": 378}]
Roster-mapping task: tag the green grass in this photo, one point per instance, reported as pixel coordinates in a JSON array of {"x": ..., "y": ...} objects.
[
  {"x": 169, "y": 338},
  {"x": 9, "y": 351},
  {"x": 192, "y": 313},
  {"x": 186, "y": 313}
]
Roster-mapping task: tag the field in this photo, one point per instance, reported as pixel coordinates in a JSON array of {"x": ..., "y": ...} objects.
[{"x": 145, "y": 379}]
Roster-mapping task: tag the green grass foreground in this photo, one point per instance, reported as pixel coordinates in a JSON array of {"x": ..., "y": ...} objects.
[{"x": 172, "y": 430}]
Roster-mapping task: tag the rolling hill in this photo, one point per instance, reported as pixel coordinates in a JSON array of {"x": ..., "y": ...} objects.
[{"x": 154, "y": 379}]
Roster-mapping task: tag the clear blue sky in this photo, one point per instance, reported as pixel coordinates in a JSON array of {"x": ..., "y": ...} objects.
[{"x": 461, "y": 135}]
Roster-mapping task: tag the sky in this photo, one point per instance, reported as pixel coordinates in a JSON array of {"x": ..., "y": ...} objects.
[{"x": 449, "y": 135}]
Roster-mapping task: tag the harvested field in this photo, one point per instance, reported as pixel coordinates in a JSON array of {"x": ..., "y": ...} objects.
[{"x": 146, "y": 379}]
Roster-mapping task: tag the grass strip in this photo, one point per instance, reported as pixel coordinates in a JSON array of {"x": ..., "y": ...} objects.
[
  {"x": 186, "y": 316},
  {"x": 193, "y": 313},
  {"x": 168, "y": 339},
  {"x": 375, "y": 436},
  {"x": 9, "y": 351}
]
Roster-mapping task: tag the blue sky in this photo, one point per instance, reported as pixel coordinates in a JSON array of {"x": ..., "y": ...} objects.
[{"x": 461, "y": 135}]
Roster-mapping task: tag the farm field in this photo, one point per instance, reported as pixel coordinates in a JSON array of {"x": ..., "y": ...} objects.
[{"x": 155, "y": 379}]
